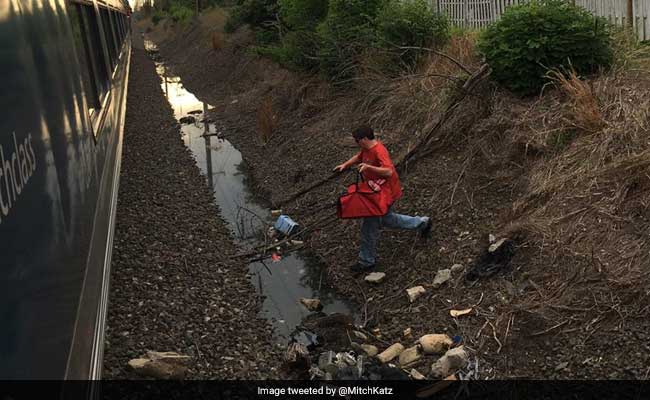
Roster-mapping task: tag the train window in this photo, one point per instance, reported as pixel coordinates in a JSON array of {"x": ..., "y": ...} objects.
[
  {"x": 110, "y": 38},
  {"x": 79, "y": 34},
  {"x": 96, "y": 52}
]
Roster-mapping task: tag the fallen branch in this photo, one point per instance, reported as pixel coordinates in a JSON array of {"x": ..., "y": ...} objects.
[
  {"x": 307, "y": 189},
  {"x": 426, "y": 141}
]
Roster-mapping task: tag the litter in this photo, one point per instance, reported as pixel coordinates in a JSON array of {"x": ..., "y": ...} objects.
[{"x": 458, "y": 313}]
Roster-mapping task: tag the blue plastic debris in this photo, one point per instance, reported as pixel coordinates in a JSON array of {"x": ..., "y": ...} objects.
[{"x": 286, "y": 225}]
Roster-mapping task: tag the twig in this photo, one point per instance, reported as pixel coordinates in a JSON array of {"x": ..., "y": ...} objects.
[
  {"x": 550, "y": 329},
  {"x": 438, "y": 53},
  {"x": 494, "y": 335}
]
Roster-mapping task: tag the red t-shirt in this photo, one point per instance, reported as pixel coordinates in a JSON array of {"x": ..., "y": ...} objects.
[{"x": 378, "y": 156}]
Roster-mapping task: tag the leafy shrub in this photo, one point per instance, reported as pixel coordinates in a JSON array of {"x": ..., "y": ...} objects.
[
  {"x": 348, "y": 29},
  {"x": 157, "y": 17},
  {"x": 411, "y": 23},
  {"x": 530, "y": 39},
  {"x": 180, "y": 13},
  {"x": 302, "y": 14},
  {"x": 297, "y": 50},
  {"x": 253, "y": 12}
]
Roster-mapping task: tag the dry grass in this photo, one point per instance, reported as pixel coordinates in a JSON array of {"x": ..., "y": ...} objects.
[
  {"x": 584, "y": 112},
  {"x": 410, "y": 103},
  {"x": 267, "y": 120},
  {"x": 217, "y": 41}
]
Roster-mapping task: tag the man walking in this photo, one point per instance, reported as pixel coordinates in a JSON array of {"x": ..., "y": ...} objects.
[{"x": 375, "y": 165}]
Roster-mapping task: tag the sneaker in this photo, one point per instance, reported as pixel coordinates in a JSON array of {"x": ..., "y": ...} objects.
[
  {"x": 425, "y": 232},
  {"x": 359, "y": 268}
]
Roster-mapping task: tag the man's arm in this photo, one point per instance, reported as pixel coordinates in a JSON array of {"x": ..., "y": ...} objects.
[{"x": 353, "y": 160}]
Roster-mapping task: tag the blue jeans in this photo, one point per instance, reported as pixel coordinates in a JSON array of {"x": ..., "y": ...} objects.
[{"x": 370, "y": 232}]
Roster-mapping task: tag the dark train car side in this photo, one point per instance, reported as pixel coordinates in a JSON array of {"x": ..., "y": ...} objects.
[{"x": 65, "y": 65}]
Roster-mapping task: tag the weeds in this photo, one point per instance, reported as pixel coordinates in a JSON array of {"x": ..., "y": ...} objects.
[{"x": 267, "y": 120}]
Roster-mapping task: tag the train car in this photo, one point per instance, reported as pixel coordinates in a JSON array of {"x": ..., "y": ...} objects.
[{"x": 65, "y": 65}]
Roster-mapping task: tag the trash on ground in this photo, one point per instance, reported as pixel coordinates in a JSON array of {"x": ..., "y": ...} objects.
[
  {"x": 161, "y": 365},
  {"x": 390, "y": 353},
  {"x": 276, "y": 213},
  {"x": 311, "y": 304},
  {"x": 441, "y": 277},
  {"x": 286, "y": 225},
  {"x": 415, "y": 374},
  {"x": 458, "y": 313},
  {"x": 435, "y": 343},
  {"x": 360, "y": 335},
  {"x": 375, "y": 277},
  {"x": 415, "y": 292},
  {"x": 370, "y": 350},
  {"x": 453, "y": 360},
  {"x": 275, "y": 257},
  {"x": 410, "y": 356}
]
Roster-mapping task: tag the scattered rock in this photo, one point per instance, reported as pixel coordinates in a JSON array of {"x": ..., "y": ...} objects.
[
  {"x": 491, "y": 238},
  {"x": 390, "y": 353},
  {"x": 415, "y": 292},
  {"x": 409, "y": 356},
  {"x": 375, "y": 277},
  {"x": 458, "y": 313},
  {"x": 435, "y": 343},
  {"x": 441, "y": 277},
  {"x": 170, "y": 357},
  {"x": 407, "y": 333},
  {"x": 456, "y": 268},
  {"x": 453, "y": 360},
  {"x": 495, "y": 246},
  {"x": 370, "y": 350},
  {"x": 327, "y": 362},
  {"x": 360, "y": 335},
  {"x": 415, "y": 374},
  {"x": 311, "y": 304},
  {"x": 158, "y": 368}
]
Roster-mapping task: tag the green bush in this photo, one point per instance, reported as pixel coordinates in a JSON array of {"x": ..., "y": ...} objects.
[
  {"x": 180, "y": 13},
  {"x": 157, "y": 17},
  {"x": 346, "y": 32},
  {"x": 533, "y": 38},
  {"x": 253, "y": 12},
  {"x": 411, "y": 23},
  {"x": 298, "y": 50},
  {"x": 302, "y": 14}
]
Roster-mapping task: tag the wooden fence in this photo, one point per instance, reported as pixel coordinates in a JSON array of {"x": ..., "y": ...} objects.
[{"x": 479, "y": 13}]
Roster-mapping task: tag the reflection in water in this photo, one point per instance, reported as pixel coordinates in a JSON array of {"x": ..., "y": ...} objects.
[{"x": 282, "y": 283}]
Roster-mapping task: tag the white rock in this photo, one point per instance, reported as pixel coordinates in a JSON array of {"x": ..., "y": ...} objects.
[
  {"x": 409, "y": 356},
  {"x": 370, "y": 350},
  {"x": 456, "y": 268},
  {"x": 169, "y": 357},
  {"x": 453, "y": 360},
  {"x": 491, "y": 238},
  {"x": 442, "y": 276},
  {"x": 415, "y": 374},
  {"x": 375, "y": 277},
  {"x": 415, "y": 292},
  {"x": 311, "y": 304},
  {"x": 390, "y": 353},
  {"x": 435, "y": 343},
  {"x": 360, "y": 335},
  {"x": 494, "y": 247}
]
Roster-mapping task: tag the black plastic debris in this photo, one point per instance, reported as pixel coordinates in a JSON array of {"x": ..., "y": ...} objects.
[{"x": 494, "y": 259}]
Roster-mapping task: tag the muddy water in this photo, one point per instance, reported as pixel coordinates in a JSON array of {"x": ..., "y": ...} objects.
[{"x": 280, "y": 283}]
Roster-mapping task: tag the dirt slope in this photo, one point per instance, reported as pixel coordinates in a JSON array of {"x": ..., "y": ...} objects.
[{"x": 571, "y": 304}]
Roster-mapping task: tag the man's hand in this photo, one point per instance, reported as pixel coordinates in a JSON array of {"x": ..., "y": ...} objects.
[{"x": 340, "y": 167}]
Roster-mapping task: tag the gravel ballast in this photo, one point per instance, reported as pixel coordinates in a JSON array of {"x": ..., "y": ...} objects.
[{"x": 174, "y": 286}]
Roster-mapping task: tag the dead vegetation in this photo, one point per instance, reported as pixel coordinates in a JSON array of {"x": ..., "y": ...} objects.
[{"x": 267, "y": 120}]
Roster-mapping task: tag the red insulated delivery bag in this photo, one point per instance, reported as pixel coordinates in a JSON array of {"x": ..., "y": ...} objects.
[{"x": 364, "y": 199}]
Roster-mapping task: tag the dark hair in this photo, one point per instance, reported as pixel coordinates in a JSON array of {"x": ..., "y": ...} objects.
[{"x": 364, "y": 131}]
